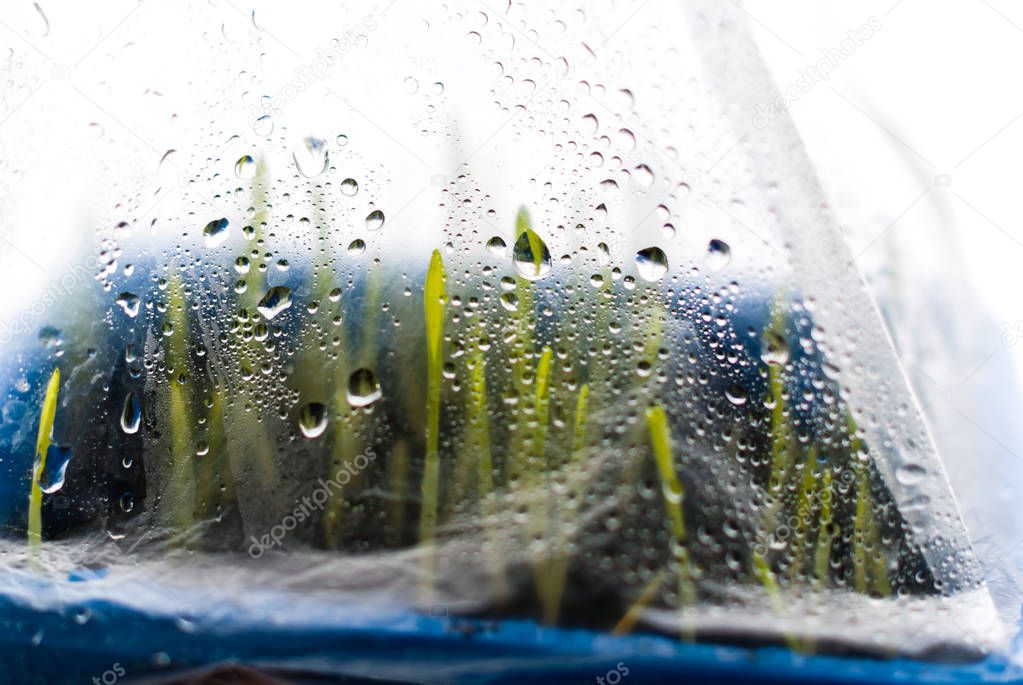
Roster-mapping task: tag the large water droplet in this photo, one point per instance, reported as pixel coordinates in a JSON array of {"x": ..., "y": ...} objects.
[
  {"x": 531, "y": 256},
  {"x": 245, "y": 167},
  {"x": 131, "y": 414},
  {"x": 363, "y": 388},
  {"x": 275, "y": 301},
  {"x": 311, "y": 157},
  {"x": 718, "y": 254},
  {"x": 215, "y": 233},
  {"x": 129, "y": 302},
  {"x": 312, "y": 419},
  {"x": 51, "y": 477},
  {"x": 776, "y": 349},
  {"x": 651, "y": 263},
  {"x": 374, "y": 220},
  {"x": 349, "y": 187}
]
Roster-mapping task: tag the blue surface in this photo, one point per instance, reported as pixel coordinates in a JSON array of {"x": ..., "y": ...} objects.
[{"x": 73, "y": 641}]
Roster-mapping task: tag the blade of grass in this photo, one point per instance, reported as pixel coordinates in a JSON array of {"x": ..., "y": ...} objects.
[
  {"x": 822, "y": 555},
  {"x": 762, "y": 570},
  {"x": 559, "y": 562},
  {"x": 674, "y": 499},
  {"x": 43, "y": 437},
  {"x": 435, "y": 301},
  {"x": 479, "y": 438},
  {"x": 178, "y": 502},
  {"x": 539, "y": 515},
  {"x": 631, "y": 617}
]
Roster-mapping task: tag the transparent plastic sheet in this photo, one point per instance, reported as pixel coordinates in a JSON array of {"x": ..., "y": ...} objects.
[{"x": 616, "y": 238}]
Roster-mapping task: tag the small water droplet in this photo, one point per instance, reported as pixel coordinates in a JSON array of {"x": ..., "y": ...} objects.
[
  {"x": 652, "y": 264},
  {"x": 363, "y": 388},
  {"x": 497, "y": 246},
  {"x": 129, "y": 302},
  {"x": 275, "y": 301},
  {"x": 131, "y": 414},
  {"x": 374, "y": 220},
  {"x": 509, "y": 301},
  {"x": 263, "y": 126},
  {"x": 245, "y": 167},
  {"x": 312, "y": 419},
  {"x": 736, "y": 394},
  {"x": 311, "y": 157},
  {"x": 910, "y": 474},
  {"x": 50, "y": 337},
  {"x": 215, "y": 233},
  {"x": 718, "y": 254},
  {"x": 643, "y": 175}
]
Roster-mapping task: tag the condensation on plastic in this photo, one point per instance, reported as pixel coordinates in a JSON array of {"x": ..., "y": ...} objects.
[{"x": 619, "y": 127}]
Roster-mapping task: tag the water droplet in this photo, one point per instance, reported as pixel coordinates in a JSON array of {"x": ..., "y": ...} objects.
[
  {"x": 718, "y": 254},
  {"x": 275, "y": 301},
  {"x": 910, "y": 474},
  {"x": 215, "y": 233},
  {"x": 651, "y": 263},
  {"x": 531, "y": 256},
  {"x": 51, "y": 477},
  {"x": 736, "y": 394},
  {"x": 497, "y": 246},
  {"x": 131, "y": 415},
  {"x": 50, "y": 337},
  {"x": 349, "y": 187},
  {"x": 363, "y": 388},
  {"x": 643, "y": 175},
  {"x": 776, "y": 349},
  {"x": 263, "y": 126},
  {"x": 374, "y": 220},
  {"x": 129, "y": 302},
  {"x": 311, "y": 157},
  {"x": 356, "y": 247},
  {"x": 312, "y": 419},
  {"x": 245, "y": 167}
]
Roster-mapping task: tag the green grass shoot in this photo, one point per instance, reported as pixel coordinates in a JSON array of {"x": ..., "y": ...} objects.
[
  {"x": 631, "y": 617},
  {"x": 435, "y": 301},
  {"x": 559, "y": 562},
  {"x": 179, "y": 497},
  {"x": 762, "y": 570},
  {"x": 43, "y": 437},
  {"x": 540, "y": 519},
  {"x": 674, "y": 500}
]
